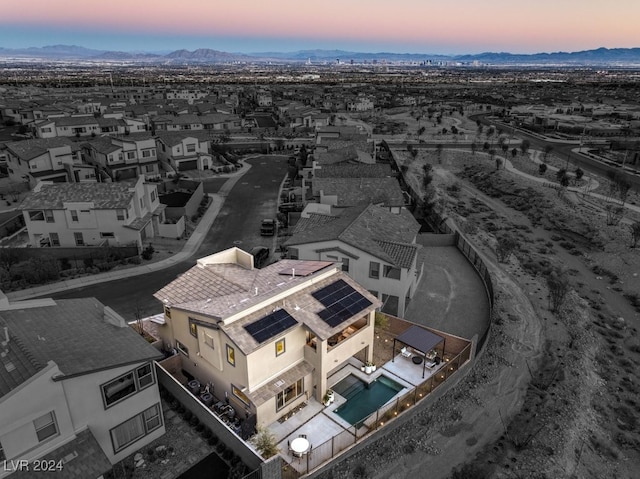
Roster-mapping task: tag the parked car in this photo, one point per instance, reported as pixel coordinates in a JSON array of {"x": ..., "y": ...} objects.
[
  {"x": 268, "y": 227},
  {"x": 260, "y": 255}
]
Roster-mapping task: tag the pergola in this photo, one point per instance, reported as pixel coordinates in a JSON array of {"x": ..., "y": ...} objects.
[{"x": 421, "y": 340}]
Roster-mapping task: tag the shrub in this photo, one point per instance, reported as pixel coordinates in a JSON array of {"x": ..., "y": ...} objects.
[
  {"x": 194, "y": 421},
  {"x": 88, "y": 262},
  {"x": 187, "y": 415},
  {"x": 147, "y": 253},
  {"x": 134, "y": 260}
]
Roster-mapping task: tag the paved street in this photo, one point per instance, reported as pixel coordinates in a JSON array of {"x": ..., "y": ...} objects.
[{"x": 253, "y": 197}]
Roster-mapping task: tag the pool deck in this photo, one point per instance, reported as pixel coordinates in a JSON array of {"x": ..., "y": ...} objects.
[{"x": 320, "y": 423}]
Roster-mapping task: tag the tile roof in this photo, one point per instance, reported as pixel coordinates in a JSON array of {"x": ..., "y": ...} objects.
[
  {"x": 82, "y": 458},
  {"x": 102, "y": 145},
  {"x": 375, "y": 230},
  {"x": 74, "y": 334},
  {"x": 352, "y": 191},
  {"x": 103, "y": 195},
  {"x": 29, "y": 149},
  {"x": 357, "y": 170},
  {"x": 280, "y": 383},
  {"x": 172, "y": 138},
  {"x": 17, "y": 364},
  {"x": 223, "y": 290},
  {"x": 75, "y": 120}
]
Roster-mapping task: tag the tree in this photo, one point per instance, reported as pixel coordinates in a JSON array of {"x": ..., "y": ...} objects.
[
  {"x": 427, "y": 177},
  {"x": 486, "y": 146},
  {"x": 265, "y": 442},
  {"x": 542, "y": 169},
  {"x": 514, "y": 152},
  {"x": 614, "y": 213},
  {"x": 499, "y": 163},
  {"x": 579, "y": 173},
  {"x": 506, "y": 245},
  {"x": 524, "y": 146},
  {"x": 635, "y": 233},
  {"x": 558, "y": 284},
  {"x": 474, "y": 147},
  {"x": 547, "y": 151},
  {"x": 9, "y": 257}
]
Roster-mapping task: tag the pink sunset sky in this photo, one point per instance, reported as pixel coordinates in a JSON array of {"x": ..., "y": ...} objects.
[{"x": 411, "y": 26}]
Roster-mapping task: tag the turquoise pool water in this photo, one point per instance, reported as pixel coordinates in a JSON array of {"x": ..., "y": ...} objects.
[{"x": 362, "y": 398}]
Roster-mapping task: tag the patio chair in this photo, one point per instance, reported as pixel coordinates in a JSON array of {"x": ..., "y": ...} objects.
[
  {"x": 303, "y": 436},
  {"x": 405, "y": 352}
]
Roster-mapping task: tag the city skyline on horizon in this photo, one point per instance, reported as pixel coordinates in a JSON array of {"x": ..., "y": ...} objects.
[{"x": 249, "y": 26}]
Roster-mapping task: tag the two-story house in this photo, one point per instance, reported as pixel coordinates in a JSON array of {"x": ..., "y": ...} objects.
[
  {"x": 50, "y": 159},
  {"x": 377, "y": 248},
  {"x": 267, "y": 338},
  {"x": 184, "y": 150},
  {"x": 77, "y": 388},
  {"x": 124, "y": 157},
  {"x": 79, "y": 214}
]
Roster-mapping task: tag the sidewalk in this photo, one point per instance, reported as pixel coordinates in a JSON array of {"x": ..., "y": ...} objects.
[{"x": 190, "y": 247}]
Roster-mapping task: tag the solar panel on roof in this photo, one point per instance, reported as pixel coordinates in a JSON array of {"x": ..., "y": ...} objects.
[
  {"x": 341, "y": 302},
  {"x": 271, "y": 325}
]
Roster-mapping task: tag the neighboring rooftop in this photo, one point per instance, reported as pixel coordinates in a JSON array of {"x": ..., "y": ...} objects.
[
  {"x": 102, "y": 195},
  {"x": 375, "y": 230},
  {"x": 352, "y": 191},
  {"x": 79, "y": 335}
]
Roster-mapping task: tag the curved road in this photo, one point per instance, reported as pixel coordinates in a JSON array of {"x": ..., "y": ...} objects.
[{"x": 252, "y": 198}]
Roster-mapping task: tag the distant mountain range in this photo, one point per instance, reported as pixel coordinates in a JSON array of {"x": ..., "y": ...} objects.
[{"x": 600, "y": 56}]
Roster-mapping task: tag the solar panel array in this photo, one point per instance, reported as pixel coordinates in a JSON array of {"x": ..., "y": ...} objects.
[
  {"x": 341, "y": 302},
  {"x": 271, "y": 325}
]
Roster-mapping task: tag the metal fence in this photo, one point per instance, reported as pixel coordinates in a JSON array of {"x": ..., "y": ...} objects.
[{"x": 322, "y": 453}]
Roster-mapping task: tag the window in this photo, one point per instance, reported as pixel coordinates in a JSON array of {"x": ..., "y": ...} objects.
[
  {"x": 193, "y": 328},
  {"x": 182, "y": 348},
  {"x": 131, "y": 155},
  {"x": 54, "y": 239},
  {"x": 74, "y": 215},
  {"x": 153, "y": 195},
  {"x": 36, "y": 215},
  {"x": 46, "y": 426},
  {"x": 345, "y": 265},
  {"x": 144, "y": 375},
  {"x": 280, "y": 347},
  {"x": 121, "y": 214},
  {"x": 374, "y": 270},
  {"x": 191, "y": 147},
  {"x": 130, "y": 383},
  {"x": 391, "y": 272},
  {"x": 48, "y": 214},
  {"x": 231, "y": 355},
  {"x": 149, "y": 168},
  {"x": 107, "y": 234},
  {"x": 3, "y": 457},
  {"x": 237, "y": 392},
  {"x": 119, "y": 388},
  {"x": 135, "y": 428},
  {"x": 79, "y": 239},
  {"x": 209, "y": 340},
  {"x": 46, "y": 130},
  {"x": 289, "y": 394},
  {"x": 146, "y": 153},
  {"x": 167, "y": 312}
]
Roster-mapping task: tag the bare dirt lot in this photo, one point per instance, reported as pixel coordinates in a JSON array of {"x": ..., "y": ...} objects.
[{"x": 555, "y": 392}]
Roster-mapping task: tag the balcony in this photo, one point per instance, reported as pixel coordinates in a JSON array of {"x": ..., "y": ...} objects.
[{"x": 347, "y": 332}]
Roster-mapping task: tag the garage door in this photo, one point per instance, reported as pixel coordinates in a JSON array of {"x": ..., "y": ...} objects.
[{"x": 188, "y": 165}]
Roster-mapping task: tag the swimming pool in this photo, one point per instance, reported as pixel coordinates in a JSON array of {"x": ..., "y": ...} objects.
[{"x": 362, "y": 398}]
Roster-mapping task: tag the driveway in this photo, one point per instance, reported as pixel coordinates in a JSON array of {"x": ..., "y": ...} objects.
[
  {"x": 237, "y": 224},
  {"x": 451, "y": 296}
]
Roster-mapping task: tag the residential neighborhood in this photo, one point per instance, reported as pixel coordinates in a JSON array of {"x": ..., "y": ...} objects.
[{"x": 315, "y": 271}]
